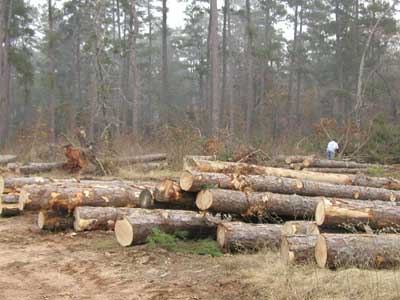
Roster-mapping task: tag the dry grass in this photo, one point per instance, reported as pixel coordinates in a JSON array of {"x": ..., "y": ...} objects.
[{"x": 270, "y": 278}]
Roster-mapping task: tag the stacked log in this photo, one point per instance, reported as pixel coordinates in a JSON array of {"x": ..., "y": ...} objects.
[
  {"x": 300, "y": 228},
  {"x": 54, "y": 220},
  {"x": 5, "y": 159},
  {"x": 33, "y": 168},
  {"x": 139, "y": 224},
  {"x": 298, "y": 249},
  {"x": 10, "y": 205},
  {"x": 148, "y": 158}
]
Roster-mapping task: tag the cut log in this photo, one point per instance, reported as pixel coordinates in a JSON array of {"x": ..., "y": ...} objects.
[
  {"x": 325, "y": 163},
  {"x": 139, "y": 159},
  {"x": 54, "y": 220},
  {"x": 194, "y": 181},
  {"x": 246, "y": 169},
  {"x": 337, "y": 170},
  {"x": 238, "y": 236},
  {"x": 298, "y": 249},
  {"x": 266, "y": 204},
  {"x": 10, "y": 205},
  {"x": 33, "y": 168},
  {"x": 293, "y": 159},
  {"x": 99, "y": 218},
  {"x": 135, "y": 228},
  {"x": 297, "y": 166},
  {"x": 169, "y": 191},
  {"x": 188, "y": 160},
  {"x": 68, "y": 197},
  {"x": 300, "y": 228},
  {"x": 356, "y": 250},
  {"x": 336, "y": 213},
  {"x": 146, "y": 199},
  {"x": 5, "y": 159}
]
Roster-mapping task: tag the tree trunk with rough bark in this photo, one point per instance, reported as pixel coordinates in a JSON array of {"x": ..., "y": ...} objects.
[
  {"x": 238, "y": 236},
  {"x": 356, "y": 250},
  {"x": 325, "y": 163},
  {"x": 337, "y": 170},
  {"x": 298, "y": 249},
  {"x": 135, "y": 228}
]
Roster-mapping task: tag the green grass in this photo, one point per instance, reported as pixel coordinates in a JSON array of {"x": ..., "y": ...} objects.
[
  {"x": 178, "y": 242},
  {"x": 376, "y": 171}
]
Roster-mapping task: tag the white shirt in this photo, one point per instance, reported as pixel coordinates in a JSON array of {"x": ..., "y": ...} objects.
[{"x": 332, "y": 146}]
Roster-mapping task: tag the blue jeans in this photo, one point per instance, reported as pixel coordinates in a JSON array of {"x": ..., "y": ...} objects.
[{"x": 330, "y": 155}]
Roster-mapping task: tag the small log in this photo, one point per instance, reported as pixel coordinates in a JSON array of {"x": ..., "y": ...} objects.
[
  {"x": 194, "y": 181},
  {"x": 235, "y": 202},
  {"x": 298, "y": 249},
  {"x": 5, "y": 159},
  {"x": 246, "y": 169},
  {"x": 169, "y": 191},
  {"x": 54, "y": 220},
  {"x": 356, "y": 250},
  {"x": 238, "y": 236},
  {"x": 33, "y": 168},
  {"x": 98, "y": 218},
  {"x": 139, "y": 159},
  {"x": 337, "y": 170},
  {"x": 336, "y": 213},
  {"x": 300, "y": 228},
  {"x": 10, "y": 205},
  {"x": 135, "y": 228},
  {"x": 54, "y": 197}
]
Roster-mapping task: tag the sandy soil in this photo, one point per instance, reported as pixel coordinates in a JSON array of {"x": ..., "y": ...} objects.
[{"x": 39, "y": 265}]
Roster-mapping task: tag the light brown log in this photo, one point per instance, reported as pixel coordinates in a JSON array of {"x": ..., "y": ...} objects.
[
  {"x": 269, "y": 204},
  {"x": 98, "y": 218},
  {"x": 356, "y": 250},
  {"x": 325, "y": 163},
  {"x": 293, "y": 158},
  {"x": 298, "y": 249},
  {"x": 297, "y": 166},
  {"x": 5, "y": 159},
  {"x": 337, "y": 170},
  {"x": 68, "y": 197},
  {"x": 10, "y": 205},
  {"x": 54, "y": 220},
  {"x": 135, "y": 228},
  {"x": 246, "y": 169},
  {"x": 300, "y": 228},
  {"x": 336, "y": 213},
  {"x": 146, "y": 199},
  {"x": 238, "y": 236},
  {"x": 194, "y": 181},
  {"x": 33, "y": 168},
  {"x": 169, "y": 191},
  {"x": 139, "y": 159},
  {"x": 188, "y": 160}
]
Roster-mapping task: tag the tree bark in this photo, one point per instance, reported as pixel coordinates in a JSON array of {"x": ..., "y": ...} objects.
[
  {"x": 261, "y": 204},
  {"x": 54, "y": 220},
  {"x": 250, "y": 82},
  {"x": 298, "y": 249},
  {"x": 98, "y": 218},
  {"x": 5, "y": 159},
  {"x": 238, "y": 236},
  {"x": 242, "y": 168},
  {"x": 170, "y": 192},
  {"x": 292, "y": 159},
  {"x": 324, "y": 163},
  {"x": 338, "y": 213},
  {"x": 337, "y": 170},
  {"x": 10, "y": 205},
  {"x": 67, "y": 197},
  {"x": 51, "y": 73},
  {"x": 195, "y": 181},
  {"x": 33, "y": 168},
  {"x": 360, "y": 251},
  {"x": 300, "y": 227},
  {"x": 135, "y": 228}
]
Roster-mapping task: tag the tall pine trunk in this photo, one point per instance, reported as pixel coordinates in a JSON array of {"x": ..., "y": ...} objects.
[
  {"x": 164, "y": 71},
  {"x": 51, "y": 73},
  {"x": 250, "y": 82}
]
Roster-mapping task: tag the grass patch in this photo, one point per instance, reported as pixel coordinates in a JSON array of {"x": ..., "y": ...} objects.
[
  {"x": 178, "y": 242},
  {"x": 376, "y": 171}
]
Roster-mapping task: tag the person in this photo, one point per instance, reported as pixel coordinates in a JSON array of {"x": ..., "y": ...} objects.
[{"x": 331, "y": 149}]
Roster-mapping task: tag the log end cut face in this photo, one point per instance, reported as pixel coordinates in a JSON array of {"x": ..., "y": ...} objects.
[
  {"x": 204, "y": 200},
  {"x": 146, "y": 199},
  {"x": 221, "y": 236},
  {"x": 286, "y": 254},
  {"x": 41, "y": 220},
  {"x": 23, "y": 198},
  {"x": 321, "y": 251},
  {"x": 320, "y": 213},
  {"x": 186, "y": 181},
  {"x": 124, "y": 232},
  {"x": 1, "y": 185}
]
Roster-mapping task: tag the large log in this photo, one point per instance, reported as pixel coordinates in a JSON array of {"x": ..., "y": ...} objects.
[
  {"x": 266, "y": 204},
  {"x": 298, "y": 249},
  {"x": 246, "y": 169},
  {"x": 336, "y": 213},
  {"x": 293, "y": 159},
  {"x": 135, "y": 228},
  {"x": 54, "y": 220},
  {"x": 238, "y": 236},
  {"x": 139, "y": 159},
  {"x": 98, "y": 218},
  {"x": 325, "y": 163},
  {"x": 356, "y": 250},
  {"x": 195, "y": 181},
  {"x": 10, "y": 205},
  {"x": 68, "y": 197},
  {"x": 33, "y": 168},
  {"x": 5, "y": 159},
  {"x": 337, "y": 170},
  {"x": 169, "y": 191},
  {"x": 300, "y": 228}
]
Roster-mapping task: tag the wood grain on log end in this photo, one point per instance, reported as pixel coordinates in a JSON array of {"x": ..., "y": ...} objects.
[
  {"x": 300, "y": 227},
  {"x": 320, "y": 213},
  {"x": 321, "y": 252},
  {"x": 23, "y": 198},
  {"x": 221, "y": 240},
  {"x": 146, "y": 199},
  {"x": 124, "y": 232},
  {"x": 204, "y": 200},
  {"x": 186, "y": 181},
  {"x": 1, "y": 185},
  {"x": 286, "y": 254}
]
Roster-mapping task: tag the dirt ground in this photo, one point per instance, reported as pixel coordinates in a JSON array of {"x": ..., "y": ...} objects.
[{"x": 39, "y": 265}]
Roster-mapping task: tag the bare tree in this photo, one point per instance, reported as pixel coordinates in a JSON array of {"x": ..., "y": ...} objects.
[
  {"x": 51, "y": 72},
  {"x": 164, "y": 71},
  {"x": 250, "y": 81}
]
